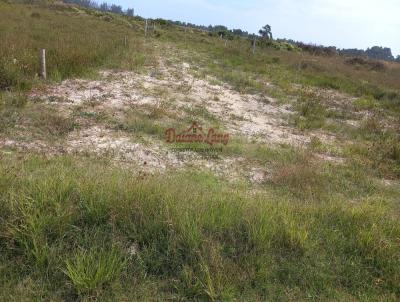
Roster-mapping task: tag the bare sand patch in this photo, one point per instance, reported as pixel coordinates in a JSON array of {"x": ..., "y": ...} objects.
[{"x": 253, "y": 116}]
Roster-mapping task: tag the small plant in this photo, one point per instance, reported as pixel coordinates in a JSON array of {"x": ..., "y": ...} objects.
[
  {"x": 203, "y": 282},
  {"x": 370, "y": 127},
  {"x": 11, "y": 106},
  {"x": 90, "y": 270},
  {"x": 311, "y": 112},
  {"x": 365, "y": 103},
  {"x": 316, "y": 144},
  {"x": 303, "y": 179},
  {"x": 35, "y": 15}
]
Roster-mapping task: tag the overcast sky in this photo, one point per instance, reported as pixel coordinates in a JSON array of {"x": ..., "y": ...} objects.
[{"x": 341, "y": 23}]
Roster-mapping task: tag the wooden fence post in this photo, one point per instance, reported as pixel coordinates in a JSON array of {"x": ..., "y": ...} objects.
[
  {"x": 254, "y": 46},
  {"x": 145, "y": 28},
  {"x": 43, "y": 73},
  {"x": 125, "y": 41}
]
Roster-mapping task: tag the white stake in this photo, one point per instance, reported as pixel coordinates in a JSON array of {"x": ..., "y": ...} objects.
[
  {"x": 43, "y": 63},
  {"x": 145, "y": 28},
  {"x": 254, "y": 46}
]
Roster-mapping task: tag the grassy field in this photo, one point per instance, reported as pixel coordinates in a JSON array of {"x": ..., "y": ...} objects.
[
  {"x": 78, "y": 227},
  {"x": 76, "y": 43}
]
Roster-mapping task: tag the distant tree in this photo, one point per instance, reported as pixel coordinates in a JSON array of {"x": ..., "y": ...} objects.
[
  {"x": 239, "y": 32},
  {"x": 266, "y": 32},
  {"x": 220, "y": 28},
  {"x": 130, "y": 12},
  {"x": 104, "y": 7},
  {"x": 116, "y": 9},
  {"x": 84, "y": 3},
  {"x": 353, "y": 52},
  {"x": 380, "y": 53},
  {"x": 398, "y": 59}
]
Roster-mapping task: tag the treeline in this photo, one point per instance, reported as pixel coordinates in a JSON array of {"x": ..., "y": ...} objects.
[
  {"x": 375, "y": 52},
  {"x": 106, "y": 7},
  {"x": 219, "y": 30}
]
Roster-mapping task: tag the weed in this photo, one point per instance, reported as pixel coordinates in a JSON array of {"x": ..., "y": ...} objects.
[
  {"x": 90, "y": 270},
  {"x": 311, "y": 112}
]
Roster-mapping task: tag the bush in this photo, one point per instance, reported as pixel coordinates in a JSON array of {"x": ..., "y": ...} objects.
[
  {"x": 311, "y": 114},
  {"x": 91, "y": 270},
  {"x": 370, "y": 64}
]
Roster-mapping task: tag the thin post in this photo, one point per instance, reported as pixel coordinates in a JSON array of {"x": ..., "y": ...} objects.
[
  {"x": 125, "y": 41},
  {"x": 254, "y": 46},
  {"x": 43, "y": 63},
  {"x": 145, "y": 27}
]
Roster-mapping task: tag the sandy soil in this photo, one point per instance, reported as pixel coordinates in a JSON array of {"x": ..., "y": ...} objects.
[{"x": 255, "y": 117}]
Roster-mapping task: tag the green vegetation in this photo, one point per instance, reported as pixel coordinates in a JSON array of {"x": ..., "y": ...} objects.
[
  {"x": 76, "y": 228},
  {"x": 81, "y": 229},
  {"x": 76, "y": 44},
  {"x": 311, "y": 113},
  {"x": 89, "y": 271},
  {"x": 235, "y": 64}
]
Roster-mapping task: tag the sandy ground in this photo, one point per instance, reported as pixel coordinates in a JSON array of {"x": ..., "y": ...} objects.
[{"x": 254, "y": 117}]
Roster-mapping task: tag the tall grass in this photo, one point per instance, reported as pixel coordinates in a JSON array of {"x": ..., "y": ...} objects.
[
  {"x": 189, "y": 234},
  {"x": 90, "y": 270},
  {"x": 76, "y": 43}
]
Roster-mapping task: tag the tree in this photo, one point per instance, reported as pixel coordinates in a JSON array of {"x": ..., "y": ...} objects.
[
  {"x": 380, "y": 53},
  {"x": 266, "y": 32},
  {"x": 104, "y": 7},
  {"x": 130, "y": 12},
  {"x": 398, "y": 59},
  {"x": 239, "y": 32},
  {"x": 116, "y": 9},
  {"x": 84, "y": 3}
]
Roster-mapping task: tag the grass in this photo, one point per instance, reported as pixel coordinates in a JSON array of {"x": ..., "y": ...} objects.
[
  {"x": 312, "y": 113},
  {"x": 72, "y": 49},
  {"x": 69, "y": 222},
  {"x": 236, "y": 64},
  {"x": 91, "y": 270},
  {"x": 377, "y": 147},
  {"x": 80, "y": 229},
  {"x": 139, "y": 123},
  {"x": 44, "y": 121}
]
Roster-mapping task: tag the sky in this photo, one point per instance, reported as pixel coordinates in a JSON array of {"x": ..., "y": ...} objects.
[{"x": 341, "y": 23}]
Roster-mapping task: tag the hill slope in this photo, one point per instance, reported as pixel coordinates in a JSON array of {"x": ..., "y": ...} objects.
[{"x": 302, "y": 202}]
